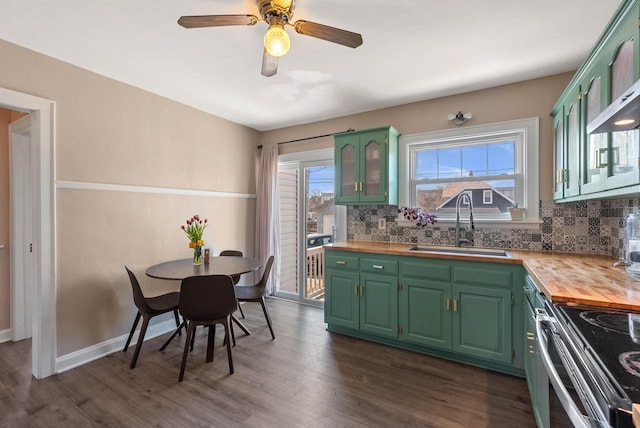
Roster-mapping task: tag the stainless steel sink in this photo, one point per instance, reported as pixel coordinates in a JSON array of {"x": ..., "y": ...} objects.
[{"x": 460, "y": 250}]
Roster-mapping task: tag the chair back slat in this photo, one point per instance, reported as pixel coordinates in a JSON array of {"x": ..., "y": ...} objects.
[{"x": 206, "y": 298}]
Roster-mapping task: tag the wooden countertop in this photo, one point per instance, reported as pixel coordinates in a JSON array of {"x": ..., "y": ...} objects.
[{"x": 562, "y": 277}]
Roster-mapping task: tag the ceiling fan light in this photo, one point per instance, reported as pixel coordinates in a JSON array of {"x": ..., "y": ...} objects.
[{"x": 276, "y": 40}]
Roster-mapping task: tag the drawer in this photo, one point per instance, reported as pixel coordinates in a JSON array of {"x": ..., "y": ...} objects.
[
  {"x": 340, "y": 261},
  {"x": 427, "y": 269},
  {"x": 482, "y": 274},
  {"x": 389, "y": 267}
]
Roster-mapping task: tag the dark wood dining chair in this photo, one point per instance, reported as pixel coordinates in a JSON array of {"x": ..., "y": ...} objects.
[
  {"x": 207, "y": 301},
  {"x": 236, "y": 278},
  {"x": 149, "y": 307},
  {"x": 257, "y": 292}
]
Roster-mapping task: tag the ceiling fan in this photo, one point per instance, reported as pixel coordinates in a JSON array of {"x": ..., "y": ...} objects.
[{"x": 278, "y": 14}]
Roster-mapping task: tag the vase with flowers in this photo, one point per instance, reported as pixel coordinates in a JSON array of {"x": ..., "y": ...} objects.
[{"x": 194, "y": 229}]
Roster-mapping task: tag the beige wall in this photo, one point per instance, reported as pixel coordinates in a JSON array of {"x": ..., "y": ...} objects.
[
  {"x": 109, "y": 132},
  {"x": 532, "y": 98},
  {"x": 5, "y": 286}
]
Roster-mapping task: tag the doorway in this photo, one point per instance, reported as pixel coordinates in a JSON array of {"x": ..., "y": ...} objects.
[
  {"x": 308, "y": 220},
  {"x": 40, "y": 258}
]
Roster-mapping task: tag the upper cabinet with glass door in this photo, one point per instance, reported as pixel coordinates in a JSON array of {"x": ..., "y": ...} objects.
[
  {"x": 599, "y": 165},
  {"x": 367, "y": 167}
]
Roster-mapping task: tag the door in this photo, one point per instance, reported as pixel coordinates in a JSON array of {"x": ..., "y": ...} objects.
[
  {"x": 21, "y": 221},
  {"x": 482, "y": 322},
  {"x": 379, "y": 304},
  {"x": 426, "y": 312},
  {"x": 309, "y": 220}
]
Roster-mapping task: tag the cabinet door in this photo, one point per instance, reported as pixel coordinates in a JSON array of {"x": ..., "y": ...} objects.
[
  {"x": 596, "y": 151},
  {"x": 373, "y": 167},
  {"x": 558, "y": 155},
  {"x": 342, "y": 300},
  {"x": 572, "y": 144},
  {"x": 379, "y": 304},
  {"x": 425, "y": 310},
  {"x": 623, "y": 71},
  {"x": 347, "y": 172},
  {"x": 482, "y": 322}
]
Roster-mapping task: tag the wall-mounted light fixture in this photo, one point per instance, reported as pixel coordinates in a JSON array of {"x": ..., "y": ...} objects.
[{"x": 460, "y": 118}]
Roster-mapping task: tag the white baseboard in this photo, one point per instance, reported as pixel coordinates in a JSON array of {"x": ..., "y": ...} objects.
[
  {"x": 83, "y": 356},
  {"x": 5, "y": 335}
]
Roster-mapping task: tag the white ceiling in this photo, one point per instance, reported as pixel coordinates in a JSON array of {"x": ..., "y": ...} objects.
[{"x": 413, "y": 50}]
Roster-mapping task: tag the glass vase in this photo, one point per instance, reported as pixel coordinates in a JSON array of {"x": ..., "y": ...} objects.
[{"x": 197, "y": 255}]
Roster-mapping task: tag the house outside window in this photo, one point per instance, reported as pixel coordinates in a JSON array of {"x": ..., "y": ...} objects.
[{"x": 496, "y": 165}]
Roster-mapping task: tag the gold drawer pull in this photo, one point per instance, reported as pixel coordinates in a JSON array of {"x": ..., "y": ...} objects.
[
  {"x": 341, "y": 262},
  {"x": 378, "y": 267}
]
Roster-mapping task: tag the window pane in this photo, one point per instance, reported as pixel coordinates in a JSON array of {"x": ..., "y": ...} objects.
[
  {"x": 489, "y": 197},
  {"x": 474, "y": 161},
  {"x": 502, "y": 158},
  {"x": 427, "y": 164}
]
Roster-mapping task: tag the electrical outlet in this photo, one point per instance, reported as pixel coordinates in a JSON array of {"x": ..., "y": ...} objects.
[{"x": 382, "y": 223}]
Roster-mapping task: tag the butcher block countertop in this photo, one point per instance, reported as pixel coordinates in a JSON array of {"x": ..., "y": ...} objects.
[{"x": 562, "y": 277}]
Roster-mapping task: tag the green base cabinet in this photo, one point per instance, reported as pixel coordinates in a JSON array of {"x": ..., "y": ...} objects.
[
  {"x": 361, "y": 299},
  {"x": 464, "y": 311}
]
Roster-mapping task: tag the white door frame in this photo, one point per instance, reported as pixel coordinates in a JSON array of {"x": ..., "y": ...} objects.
[
  {"x": 21, "y": 225},
  {"x": 42, "y": 114}
]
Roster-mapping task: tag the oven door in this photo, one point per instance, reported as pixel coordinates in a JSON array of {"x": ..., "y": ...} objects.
[{"x": 568, "y": 374}]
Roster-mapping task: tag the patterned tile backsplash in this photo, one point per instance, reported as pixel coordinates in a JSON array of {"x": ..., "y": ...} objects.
[{"x": 588, "y": 227}]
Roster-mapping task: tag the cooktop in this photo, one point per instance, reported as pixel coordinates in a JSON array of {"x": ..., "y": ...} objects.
[{"x": 614, "y": 341}]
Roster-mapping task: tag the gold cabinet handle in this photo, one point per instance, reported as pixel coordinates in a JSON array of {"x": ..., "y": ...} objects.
[
  {"x": 455, "y": 305},
  {"x": 448, "y": 303},
  {"x": 362, "y": 290},
  {"x": 341, "y": 262},
  {"x": 530, "y": 341},
  {"x": 356, "y": 290},
  {"x": 361, "y": 186},
  {"x": 355, "y": 186},
  {"x": 377, "y": 267}
]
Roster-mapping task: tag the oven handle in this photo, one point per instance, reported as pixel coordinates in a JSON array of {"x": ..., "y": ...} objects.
[{"x": 576, "y": 417}]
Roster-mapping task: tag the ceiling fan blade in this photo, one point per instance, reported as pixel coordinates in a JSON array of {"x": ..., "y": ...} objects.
[
  {"x": 216, "y": 20},
  {"x": 269, "y": 64},
  {"x": 330, "y": 34}
]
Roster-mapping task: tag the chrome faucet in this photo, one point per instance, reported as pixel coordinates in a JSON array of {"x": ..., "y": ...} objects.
[{"x": 462, "y": 196}]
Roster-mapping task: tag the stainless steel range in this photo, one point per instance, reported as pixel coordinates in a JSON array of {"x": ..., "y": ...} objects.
[{"x": 593, "y": 362}]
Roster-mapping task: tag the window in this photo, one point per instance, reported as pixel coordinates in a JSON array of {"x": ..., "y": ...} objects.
[
  {"x": 496, "y": 165},
  {"x": 487, "y": 197}
]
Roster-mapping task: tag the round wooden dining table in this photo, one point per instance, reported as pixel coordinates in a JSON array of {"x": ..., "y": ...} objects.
[{"x": 221, "y": 265}]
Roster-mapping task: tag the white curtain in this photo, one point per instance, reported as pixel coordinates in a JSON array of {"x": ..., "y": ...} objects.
[{"x": 267, "y": 240}]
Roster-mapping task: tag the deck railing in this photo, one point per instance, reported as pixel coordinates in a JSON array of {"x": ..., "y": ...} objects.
[{"x": 315, "y": 273}]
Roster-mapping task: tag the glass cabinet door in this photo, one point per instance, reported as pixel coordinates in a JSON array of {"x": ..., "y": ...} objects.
[
  {"x": 572, "y": 153},
  {"x": 373, "y": 167},
  {"x": 558, "y": 152},
  {"x": 347, "y": 172},
  {"x": 622, "y": 156},
  {"x": 596, "y": 166}
]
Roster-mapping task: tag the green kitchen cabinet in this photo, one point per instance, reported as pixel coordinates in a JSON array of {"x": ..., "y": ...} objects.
[
  {"x": 604, "y": 165},
  {"x": 482, "y": 322},
  {"x": 426, "y": 318},
  {"x": 537, "y": 378},
  {"x": 361, "y": 293},
  {"x": 367, "y": 167},
  {"x": 462, "y": 310}
]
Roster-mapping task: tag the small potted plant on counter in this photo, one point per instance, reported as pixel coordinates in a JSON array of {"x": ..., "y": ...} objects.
[{"x": 516, "y": 212}]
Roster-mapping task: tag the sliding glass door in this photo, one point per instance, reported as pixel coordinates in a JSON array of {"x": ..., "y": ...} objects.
[{"x": 308, "y": 220}]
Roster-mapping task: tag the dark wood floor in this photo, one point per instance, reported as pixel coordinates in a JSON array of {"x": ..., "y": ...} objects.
[{"x": 307, "y": 377}]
